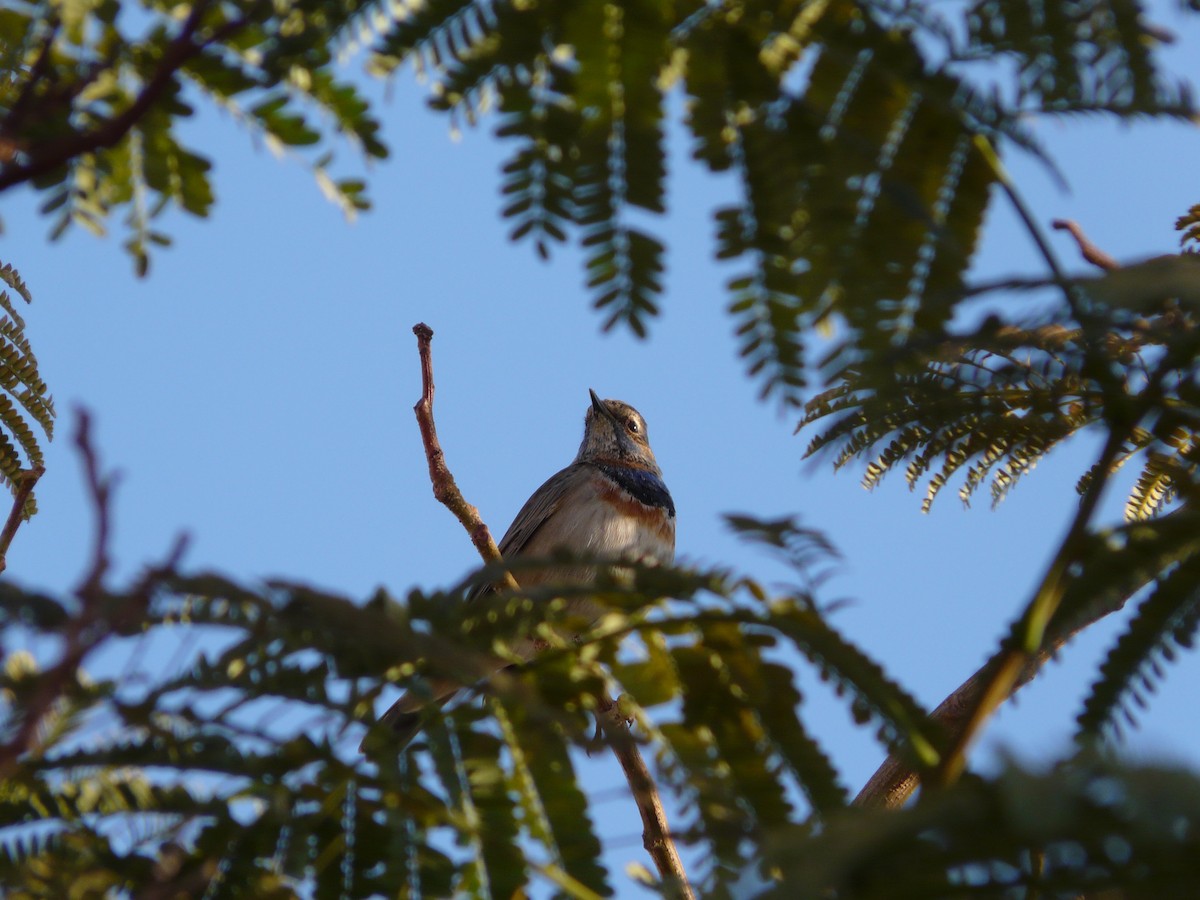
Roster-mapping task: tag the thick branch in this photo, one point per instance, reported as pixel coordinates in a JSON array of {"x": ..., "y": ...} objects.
[
  {"x": 655, "y": 835},
  {"x": 1029, "y": 635},
  {"x": 964, "y": 712},
  {"x": 895, "y": 781},
  {"x": 16, "y": 113},
  {"x": 16, "y": 516}
]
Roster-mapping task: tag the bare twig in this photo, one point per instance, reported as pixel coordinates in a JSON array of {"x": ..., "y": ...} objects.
[
  {"x": 1087, "y": 249},
  {"x": 445, "y": 490},
  {"x": 655, "y": 835},
  {"x": 1158, "y": 33},
  {"x": 16, "y": 516},
  {"x": 77, "y": 636},
  {"x": 1025, "y": 214},
  {"x": 100, "y": 489},
  {"x": 99, "y": 616}
]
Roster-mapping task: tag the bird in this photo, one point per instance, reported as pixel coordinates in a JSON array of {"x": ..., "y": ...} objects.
[{"x": 610, "y": 502}]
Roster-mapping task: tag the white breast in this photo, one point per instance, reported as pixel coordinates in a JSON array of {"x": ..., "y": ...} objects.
[{"x": 598, "y": 529}]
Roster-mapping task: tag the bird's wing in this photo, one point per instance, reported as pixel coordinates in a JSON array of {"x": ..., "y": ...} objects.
[
  {"x": 538, "y": 510},
  {"x": 405, "y": 715},
  {"x": 542, "y": 505}
]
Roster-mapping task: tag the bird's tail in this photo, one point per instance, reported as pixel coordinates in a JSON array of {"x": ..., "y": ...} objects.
[{"x": 406, "y": 715}]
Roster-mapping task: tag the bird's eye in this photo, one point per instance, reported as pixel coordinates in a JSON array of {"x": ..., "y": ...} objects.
[{"x": 632, "y": 425}]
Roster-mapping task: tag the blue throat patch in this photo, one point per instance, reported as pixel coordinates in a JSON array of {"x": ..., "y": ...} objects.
[{"x": 643, "y": 486}]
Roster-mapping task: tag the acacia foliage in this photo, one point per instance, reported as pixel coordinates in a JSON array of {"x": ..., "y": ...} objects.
[
  {"x": 1117, "y": 356},
  {"x": 95, "y": 96},
  {"x": 25, "y": 402},
  {"x": 236, "y": 773},
  {"x": 866, "y": 139}
]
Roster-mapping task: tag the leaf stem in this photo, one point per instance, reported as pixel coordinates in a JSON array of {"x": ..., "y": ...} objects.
[{"x": 1026, "y": 215}]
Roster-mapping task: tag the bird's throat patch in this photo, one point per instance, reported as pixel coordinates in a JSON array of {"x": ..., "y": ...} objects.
[{"x": 643, "y": 486}]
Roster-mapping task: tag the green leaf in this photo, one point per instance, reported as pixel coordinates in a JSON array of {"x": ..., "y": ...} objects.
[{"x": 1164, "y": 625}]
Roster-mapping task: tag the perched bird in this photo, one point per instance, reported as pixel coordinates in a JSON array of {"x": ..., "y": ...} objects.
[{"x": 611, "y": 502}]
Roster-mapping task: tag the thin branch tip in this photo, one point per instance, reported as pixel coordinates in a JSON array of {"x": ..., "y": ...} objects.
[
  {"x": 100, "y": 491},
  {"x": 1089, "y": 251}
]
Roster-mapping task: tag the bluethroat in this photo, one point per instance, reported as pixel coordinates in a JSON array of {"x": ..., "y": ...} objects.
[{"x": 610, "y": 503}]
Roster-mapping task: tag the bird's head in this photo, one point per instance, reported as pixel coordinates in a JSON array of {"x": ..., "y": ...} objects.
[{"x": 615, "y": 432}]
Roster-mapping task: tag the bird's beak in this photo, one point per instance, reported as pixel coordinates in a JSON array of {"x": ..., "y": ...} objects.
[{"x": 600, "y": 408}]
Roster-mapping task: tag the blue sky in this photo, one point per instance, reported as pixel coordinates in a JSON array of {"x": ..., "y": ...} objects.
[{"x": 256, "y": 389}]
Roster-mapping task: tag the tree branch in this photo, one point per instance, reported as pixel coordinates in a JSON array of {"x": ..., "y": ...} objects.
[
  {"x": 895, "y": 781},
  {"x": 16, "y": 113},
  {"x": 1035, "y": 639},
  {"x": 1027, "y": 639},
  {"x": 1026, "y": 216},
  {"x": 656, "y": 836},
  {"x": 656, "y": 832},
  {"x": 97, "y": 618},
  {"x": 181, "y": 49},
  {"x": 445, "y": 489},
  {"x": 25, "y": 483},
  {"x": 100, "y": 489},
  {"x": 78, "y": 636},
  {"x": 1089, "y": 251}
]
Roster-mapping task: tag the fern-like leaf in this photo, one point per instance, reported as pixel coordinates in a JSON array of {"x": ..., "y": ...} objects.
[
  {"x": 25, "y": 401},
  {"x": 1088, "y": 56},
  {"x": 621, "y": 160},
  {"x": 1189, "y": 225},
  {"x": 993, "y": 403},
  {"x": 1165, "y": 623},
  {"x": 1008, "y": 835}
]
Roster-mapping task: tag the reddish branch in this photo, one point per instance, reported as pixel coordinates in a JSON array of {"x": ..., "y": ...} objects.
[
  {"x": 656, "y": 836},
  {"x": 895, "y": 781},
  {"x": 445, "y": 490},
  {"x": 98, "y": 618},
  {"x": 16, "y": 516},
  {"x": 100, "y": 490},
  {"x": 1087, "y": 249},
  {"x": 963, "y": 712}
]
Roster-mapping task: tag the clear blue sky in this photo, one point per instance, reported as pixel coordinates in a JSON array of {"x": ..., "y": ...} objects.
[{"x": 256, "y": 391}]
